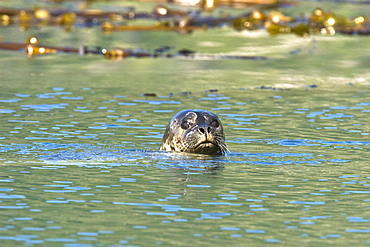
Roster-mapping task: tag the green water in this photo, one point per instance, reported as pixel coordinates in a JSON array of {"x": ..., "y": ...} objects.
[{"x": 79, "y": 141}]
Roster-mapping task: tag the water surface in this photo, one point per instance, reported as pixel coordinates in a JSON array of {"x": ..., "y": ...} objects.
[{"x": 79, "y": 150}]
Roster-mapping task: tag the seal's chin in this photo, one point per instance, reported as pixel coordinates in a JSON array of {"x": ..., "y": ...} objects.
[{"x": 206, "y": 148}]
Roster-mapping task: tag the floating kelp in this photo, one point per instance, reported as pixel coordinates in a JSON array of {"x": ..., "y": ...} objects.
[
  {"x": 108, "y": 28},
  {"x": 27, "y": 18},
  {"x": 319, "y": 22},
  {"x": 187, "y": 21},
  {"x": 33, "y": 48},
  {"x": 208, "y": 5}
]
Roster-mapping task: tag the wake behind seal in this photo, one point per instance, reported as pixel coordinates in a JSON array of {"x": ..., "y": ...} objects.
[{"x": 195, "y": 131}]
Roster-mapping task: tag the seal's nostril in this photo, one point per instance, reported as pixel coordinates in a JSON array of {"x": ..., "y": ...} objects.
[
  {"x": 209, "y": 129},
  {"x": 202, "y": 130}
]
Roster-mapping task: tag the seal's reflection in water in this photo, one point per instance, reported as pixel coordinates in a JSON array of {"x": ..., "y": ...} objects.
[
  {"x": 188, "y": 164},
  {"x": 198, "y": 161},
  {"x": 192, "y": 174}
]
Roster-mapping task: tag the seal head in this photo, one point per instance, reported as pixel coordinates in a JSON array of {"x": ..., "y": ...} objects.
[{"x": 195, "y": 131}]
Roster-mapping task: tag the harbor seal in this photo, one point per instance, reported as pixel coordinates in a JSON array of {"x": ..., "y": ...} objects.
[{"x": 195, "y": 131}]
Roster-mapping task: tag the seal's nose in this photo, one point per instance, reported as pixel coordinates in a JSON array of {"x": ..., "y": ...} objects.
[{"x": 204, "y": 130}]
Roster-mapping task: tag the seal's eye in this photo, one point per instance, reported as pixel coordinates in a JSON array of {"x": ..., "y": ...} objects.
[
  {"x": 185, "y": 125},
  {"x": 215, "y": 124}
]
